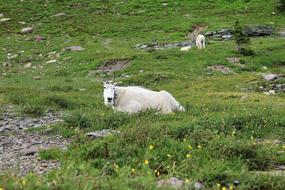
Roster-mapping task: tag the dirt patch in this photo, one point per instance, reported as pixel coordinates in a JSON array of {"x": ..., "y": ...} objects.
[
  {"x": 220, "y": 68},
  {"x": 114, "y": 65}
]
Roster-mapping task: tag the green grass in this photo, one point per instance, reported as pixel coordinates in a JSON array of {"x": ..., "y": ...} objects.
[{"x": 227, "y": 116}]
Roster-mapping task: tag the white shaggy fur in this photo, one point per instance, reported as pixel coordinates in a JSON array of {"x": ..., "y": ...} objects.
[
  {"x": 134, "y": 99},
  {"x": 200, "y": 41}
]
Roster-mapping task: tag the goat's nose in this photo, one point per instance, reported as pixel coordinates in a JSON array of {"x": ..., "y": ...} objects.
[{"x": 109, "y": 99}]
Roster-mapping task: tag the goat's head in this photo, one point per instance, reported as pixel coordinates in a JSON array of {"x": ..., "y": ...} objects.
[{"x": 109, "y": 93}]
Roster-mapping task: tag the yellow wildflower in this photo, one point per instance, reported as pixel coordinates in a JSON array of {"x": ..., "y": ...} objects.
[
  {"x": 283, "y": 146},
  {"x": 24, "y": 182},
  {"x": 190, "y": 147},
  {"x": 224, "y": 188},
  {"x": 187, "y": 181},
  {"x": 146, "y": 162},
  {"x": 199, "y": 146},
  {"x": 218, "y": 185},
  {"x": 150, "y": 147},
  {"x": 116, "y": 166},
  {"x": 188, "y": 156},
  {"x": 133, "y": 170},
  {"x": 1, "y": 188},
  {"x": 168, "y": 155},
  {"x": 231, "y": 187}
]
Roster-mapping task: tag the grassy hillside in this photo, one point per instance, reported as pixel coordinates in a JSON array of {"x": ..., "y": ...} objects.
[{"x": 228, "y": 132}]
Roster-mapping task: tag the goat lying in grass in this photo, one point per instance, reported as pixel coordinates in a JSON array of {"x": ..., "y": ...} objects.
[
  {"x": 200, "y": 41},
  {"x": 133, "y": 99}
]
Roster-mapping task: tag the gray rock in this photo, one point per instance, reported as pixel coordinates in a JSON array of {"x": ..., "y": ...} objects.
[
  {"x": 227, "y": 37},
  {"x": 58, "y": 14},
  {"x": 37, "y": 78},
  {"x": 253, "y": 31},
  {"x": 39, "y": 38},
  {"x": 173, "y": 181},
  {"x": 26, "y": 30},
  {"x": 51, "y": 61},
  {"x": 28, "y": 65},
  {"x": 270, "y": 77},
  {"x": 100, "y": 134},
  {"x": 74, "y": 48},
  {"x": 4, "y": 19}
]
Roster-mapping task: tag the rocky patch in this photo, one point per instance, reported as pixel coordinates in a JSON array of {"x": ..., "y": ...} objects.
[
  {"x": 160, "y": 46},
  {"x": 220, "y": 68},
  {"x": 251, "y": 31},
  {"x": 114, "y": 65},
  {"x": 19, "y": 149}
]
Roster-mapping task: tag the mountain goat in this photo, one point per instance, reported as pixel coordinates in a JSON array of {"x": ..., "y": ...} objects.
[{"x": 133, "y": 99}]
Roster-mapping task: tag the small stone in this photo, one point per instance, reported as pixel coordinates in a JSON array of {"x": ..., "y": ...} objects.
[
  {"x": 26, "y": 30},
  {"x": 28, "y": 65},
  {"x": 269, "y": 77},
  {"x": 74, "y": 48},
  {"x": 173, "y": 181},
  {"x": 39, "y": 38},
  {"x": 198, "y": 186},
  {"x": 51, "y": 61},
  {"x": 236, "y": 182},
  {"x": 5, "y": 19},
  {"x": 186, "y": 48},
  {"x": 100, "y": 134},
  {"x": 37, "y": 78},
  {"x": 58, "y": 14}
]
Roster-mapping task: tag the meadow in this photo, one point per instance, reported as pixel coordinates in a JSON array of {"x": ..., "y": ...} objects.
[{"x": 230, "y": 131}]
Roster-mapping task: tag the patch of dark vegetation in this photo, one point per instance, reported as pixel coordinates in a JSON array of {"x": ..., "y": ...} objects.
[
  {"x": 58, "y": 102},
  {"x": 58, "y": 88},
  {"x": 77, "y": 120},
  {"x": 149, "y": 79},
  {"x": 33, "y": 110},
  {"x": 51, "y": 154}
]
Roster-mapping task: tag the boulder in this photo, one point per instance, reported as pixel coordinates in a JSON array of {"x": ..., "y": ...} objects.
[{"x": 270, "y": 77}]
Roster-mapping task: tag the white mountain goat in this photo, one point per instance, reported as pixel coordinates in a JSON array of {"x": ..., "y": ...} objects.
[
  {"x": 200, "y": 41},
  {"x": 134, "y": 99}
]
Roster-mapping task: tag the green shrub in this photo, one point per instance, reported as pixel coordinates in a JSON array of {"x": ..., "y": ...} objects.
[
  {"x": 34, "y": 111},
  {"x": 58, "y": 102},
  {"x": 77, "y": 120}
]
